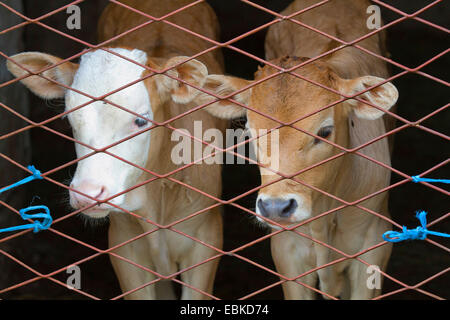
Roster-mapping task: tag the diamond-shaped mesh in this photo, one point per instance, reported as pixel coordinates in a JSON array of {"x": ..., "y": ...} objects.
[{"x": 92, "y": 252}]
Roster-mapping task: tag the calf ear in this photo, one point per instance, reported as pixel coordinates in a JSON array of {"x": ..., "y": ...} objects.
[
  {"x": 193, "y": 72},
  {"x": 223, "y": 86},
  {"x": 384, "y": 96},
  {"x": 36, "y": 61}
]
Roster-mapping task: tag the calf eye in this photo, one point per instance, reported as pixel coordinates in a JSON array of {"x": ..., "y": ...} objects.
[
  {"x": 324, "y": 132},
  {"x": 141, "y": 122}
]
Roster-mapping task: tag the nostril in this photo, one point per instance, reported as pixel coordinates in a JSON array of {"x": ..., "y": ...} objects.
[
  {"x": 102, "y": 191},
  {"x": 274, "y": 208},
  {"x": 289, "y": 208},
  {"x": 87, "y": 193},
  {"x": 102, "y": 195}
]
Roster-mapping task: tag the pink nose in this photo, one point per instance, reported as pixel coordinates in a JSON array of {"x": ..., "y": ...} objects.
[{"x": 92, "y": 190}]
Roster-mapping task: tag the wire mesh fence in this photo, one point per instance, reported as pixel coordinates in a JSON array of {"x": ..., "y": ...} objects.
[{"x": 235, "y": 202}]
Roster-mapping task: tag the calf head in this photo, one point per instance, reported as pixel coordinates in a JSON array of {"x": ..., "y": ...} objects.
[
  {"x": 99, "y": 124},
  {"x": 288, "y": 98}
]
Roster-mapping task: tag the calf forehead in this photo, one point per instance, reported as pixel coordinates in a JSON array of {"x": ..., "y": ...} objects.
[
  {"x": 101, "y": 73},
  {"x": 287, "y": 97}
]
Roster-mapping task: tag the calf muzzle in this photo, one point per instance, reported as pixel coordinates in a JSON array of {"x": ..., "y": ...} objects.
[{"x": 277, "y": 209}]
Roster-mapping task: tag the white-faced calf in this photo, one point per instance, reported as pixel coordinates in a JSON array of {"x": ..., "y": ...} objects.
[{"x": 99, "y": 124}]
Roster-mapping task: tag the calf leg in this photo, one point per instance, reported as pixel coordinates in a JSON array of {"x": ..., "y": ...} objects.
[
  {"x": 331, "y": 278},
  {"x": 360, "y": 284},
  {"x": 202, "y": 277},
  {"x": 294, "y": 255},
  {"x": 121, "y": 229}
]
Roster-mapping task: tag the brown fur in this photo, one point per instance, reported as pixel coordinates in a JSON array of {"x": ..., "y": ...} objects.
[
  {"x": 351, "y": 177},
  {"x": 346, "y": 20},
  {"x": 160, "y": 39}
]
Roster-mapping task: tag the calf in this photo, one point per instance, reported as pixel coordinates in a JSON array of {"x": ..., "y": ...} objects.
[
  {"x": 99, "y": 124},
  {"x": 348, "y": 124}
]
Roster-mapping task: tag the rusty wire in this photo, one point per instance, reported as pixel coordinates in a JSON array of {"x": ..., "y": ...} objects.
[{"x": 215, "y": 45}]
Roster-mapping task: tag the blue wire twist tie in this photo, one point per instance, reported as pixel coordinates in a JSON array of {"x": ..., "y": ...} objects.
[
  {"x": 36, "y": 173},
  {"x": 418, "y": 179},
  {"x": 419, "y": 233},
  {"x": 36, "y": 225}
]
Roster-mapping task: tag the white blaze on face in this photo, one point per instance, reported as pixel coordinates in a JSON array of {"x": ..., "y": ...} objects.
[{"x": 99, "y": 124}]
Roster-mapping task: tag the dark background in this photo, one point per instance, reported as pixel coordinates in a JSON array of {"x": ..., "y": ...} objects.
[{"x": 410, "y": 43}]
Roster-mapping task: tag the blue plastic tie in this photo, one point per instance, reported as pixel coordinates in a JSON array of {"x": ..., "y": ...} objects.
[
  {"x": 45, "y": 216},
  {"x": 36, "y": 225},
  {"x": 418, "y": 179},
  {"x": 36, "y": 174},
  {"x": 419, "y": 233}
]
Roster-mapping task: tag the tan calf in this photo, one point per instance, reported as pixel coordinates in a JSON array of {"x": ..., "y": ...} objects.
[
  {"x": 347, "y": 124},
  {"x": 100, "y": 124}
]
